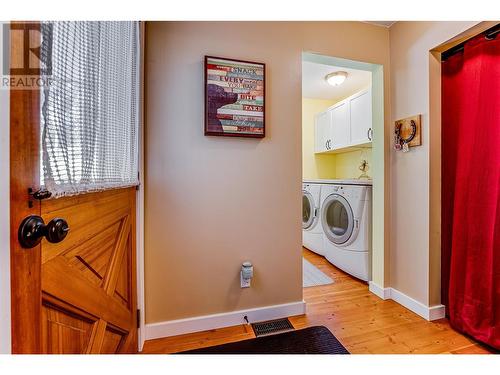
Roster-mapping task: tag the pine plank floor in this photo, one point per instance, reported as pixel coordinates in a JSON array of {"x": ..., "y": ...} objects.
[{"x": 361, "y": 321}]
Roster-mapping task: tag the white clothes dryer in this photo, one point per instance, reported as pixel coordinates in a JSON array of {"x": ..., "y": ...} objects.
[{"x": 346, "y": 222}]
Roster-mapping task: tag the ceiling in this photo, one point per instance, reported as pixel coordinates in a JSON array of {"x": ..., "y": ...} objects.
[
  {"x": 382, "y": 23},
  {"x": 314, "y": 85}
]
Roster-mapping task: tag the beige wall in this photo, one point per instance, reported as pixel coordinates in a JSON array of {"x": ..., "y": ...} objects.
[
  {"x": 415, "y": 264},
  {"x": 214, "y": 202},
  {"x": 314, "y": 166}
]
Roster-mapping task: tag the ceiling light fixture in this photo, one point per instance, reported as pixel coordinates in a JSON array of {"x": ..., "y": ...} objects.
[{"x": 336, "y": 78}]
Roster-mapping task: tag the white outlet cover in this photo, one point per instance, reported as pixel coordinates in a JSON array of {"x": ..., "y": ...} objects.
[{"x": 245, "y": 283}]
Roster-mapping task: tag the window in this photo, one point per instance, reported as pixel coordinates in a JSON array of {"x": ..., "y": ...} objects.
[{"x": 90, "y": 111}]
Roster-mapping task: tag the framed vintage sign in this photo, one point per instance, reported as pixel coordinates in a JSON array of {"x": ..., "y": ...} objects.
[{"x": 234, "y": 97}]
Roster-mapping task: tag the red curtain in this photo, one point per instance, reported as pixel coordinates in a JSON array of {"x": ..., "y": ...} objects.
[{"x": 471, "y": 189}]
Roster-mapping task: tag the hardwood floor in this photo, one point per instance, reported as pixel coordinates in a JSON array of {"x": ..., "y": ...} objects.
[{"x": 361, "y": 321}]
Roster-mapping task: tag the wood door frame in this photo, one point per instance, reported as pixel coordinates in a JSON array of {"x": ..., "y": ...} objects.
[{"x": 24, "y": 117}]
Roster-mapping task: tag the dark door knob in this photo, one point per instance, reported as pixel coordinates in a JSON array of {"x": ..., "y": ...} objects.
[
  {"x": 33, "y": 229},
  {"x": 56, "y": 230}
]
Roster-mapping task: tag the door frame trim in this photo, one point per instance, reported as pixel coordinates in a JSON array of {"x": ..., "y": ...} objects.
[
  {"x": 141, "y": 334},
  {"x": 5, "y": 316}
]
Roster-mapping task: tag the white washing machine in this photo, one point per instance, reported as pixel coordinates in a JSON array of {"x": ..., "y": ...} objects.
[
  {"x": 312, "y": 232},
  {"x": 346, "y": 222}
]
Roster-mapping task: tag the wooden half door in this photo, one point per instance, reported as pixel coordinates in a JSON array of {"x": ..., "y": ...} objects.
[
  {"x": 88, "y": 279},
  {"x": 77, "y": 295}
]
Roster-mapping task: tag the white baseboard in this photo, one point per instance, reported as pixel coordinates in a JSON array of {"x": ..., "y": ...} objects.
[
  {"x": 437, "y": 312},
  {"x": 426, "y": 312},
  {"x": 206, "y": 322},
  {"x": 384, "y": 293}
]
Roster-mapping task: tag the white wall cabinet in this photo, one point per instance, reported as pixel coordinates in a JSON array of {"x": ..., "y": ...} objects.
[
  {"x": 339, "y": 124},
  {"x": 322, "y": 132},
  {"x": 345, "y": 125},
  {"x": 361, "y": 117}
]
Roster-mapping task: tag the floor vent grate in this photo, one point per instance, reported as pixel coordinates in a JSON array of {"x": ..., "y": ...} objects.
[{"x": 272, "y": 327}]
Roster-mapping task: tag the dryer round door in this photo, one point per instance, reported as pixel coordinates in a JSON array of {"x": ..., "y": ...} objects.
[
  {"x": 308, "y": 210},
  {"x": 337, "y": 219}
]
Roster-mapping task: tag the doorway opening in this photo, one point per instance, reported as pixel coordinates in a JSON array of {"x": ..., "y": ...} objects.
[
  {"x": 470, "y": 195},
  {"x": 343, "y": 172}
]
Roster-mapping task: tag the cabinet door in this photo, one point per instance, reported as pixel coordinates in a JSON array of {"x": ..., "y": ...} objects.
[
  {"x": 339, "y": 125},
  {"x": 361, "y": 118},
  {"x": 320, "y": 132}
]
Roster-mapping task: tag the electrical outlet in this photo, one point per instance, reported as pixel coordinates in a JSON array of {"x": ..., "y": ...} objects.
[{"x": 245, "y": 283}]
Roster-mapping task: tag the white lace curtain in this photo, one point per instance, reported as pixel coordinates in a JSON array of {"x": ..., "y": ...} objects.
[{"x": 90, "y": 112}]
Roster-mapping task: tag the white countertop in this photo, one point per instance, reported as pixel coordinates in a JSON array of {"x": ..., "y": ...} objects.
[{"x": 353, "y": 181}]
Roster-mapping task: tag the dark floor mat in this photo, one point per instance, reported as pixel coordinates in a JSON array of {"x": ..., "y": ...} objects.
[{"x": 312, "y": 340}]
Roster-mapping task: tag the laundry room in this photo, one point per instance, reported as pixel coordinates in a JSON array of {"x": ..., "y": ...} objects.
[{"x": 337, "y": 171}]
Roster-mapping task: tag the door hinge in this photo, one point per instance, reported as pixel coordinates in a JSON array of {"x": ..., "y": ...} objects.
[{"x": 138, "y": 318}]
